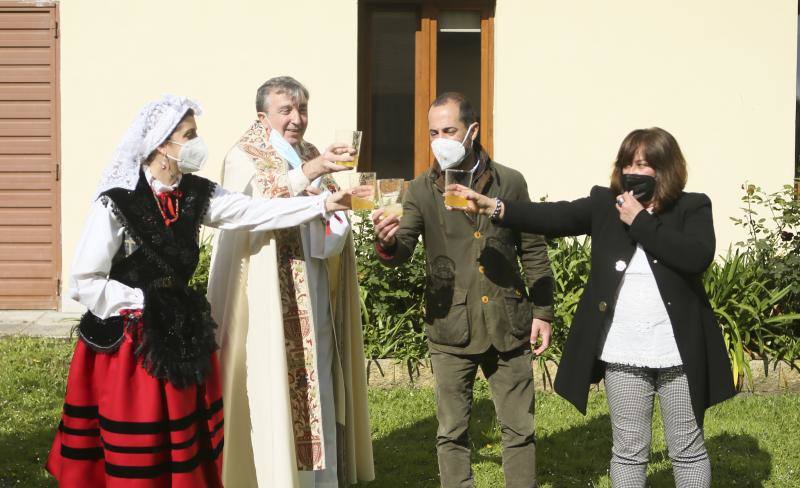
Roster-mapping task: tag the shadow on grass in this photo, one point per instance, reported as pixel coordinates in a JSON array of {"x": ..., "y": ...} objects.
[
  {"x": 736, "y": 460},
  {"x": 577, "y": 456},
  {"x": 23, "y": 457},
  {"x": 407, "y": 456},
  {"x": 574, "y": 456},
  {"x": 580, "y": 455}
]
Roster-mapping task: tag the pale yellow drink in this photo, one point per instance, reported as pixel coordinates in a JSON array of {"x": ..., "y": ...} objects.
[
  {"x": 351, "y": 138},
  {"x": 455, "y": 201},
  {"x": 460, "y": 177},
  {"x": 349, "y": 164},
  {"x": 395, "y": 209},
  {"x": 363, "y": 180},
  {"x": 357, "y": 203}
]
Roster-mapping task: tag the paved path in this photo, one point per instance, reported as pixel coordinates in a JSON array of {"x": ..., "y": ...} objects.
[{"x": 40, "y": 323}]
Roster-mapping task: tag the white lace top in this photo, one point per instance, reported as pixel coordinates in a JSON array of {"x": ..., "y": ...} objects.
[{"x": 640, "y": 332}]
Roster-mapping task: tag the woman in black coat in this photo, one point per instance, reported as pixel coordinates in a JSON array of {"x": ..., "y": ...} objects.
[{"x": 644, "y": 322}]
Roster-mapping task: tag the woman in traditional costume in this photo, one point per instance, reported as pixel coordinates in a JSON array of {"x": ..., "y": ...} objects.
[{"x": 143, "y": 404}]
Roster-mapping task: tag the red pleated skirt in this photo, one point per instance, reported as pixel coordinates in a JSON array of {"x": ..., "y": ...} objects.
[{"x": 122, "y": 427}]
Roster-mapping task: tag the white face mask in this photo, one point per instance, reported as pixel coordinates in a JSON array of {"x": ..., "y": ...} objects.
[
  {"x": 448, "y": 152},
  {"x": 192, "y": 156}
]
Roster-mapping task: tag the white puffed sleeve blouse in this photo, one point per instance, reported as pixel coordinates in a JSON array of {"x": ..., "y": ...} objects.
[{"x": 103, "y": 235}]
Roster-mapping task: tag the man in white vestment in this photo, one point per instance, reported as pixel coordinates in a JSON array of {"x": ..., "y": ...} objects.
[{"x": 287, "y": 305}]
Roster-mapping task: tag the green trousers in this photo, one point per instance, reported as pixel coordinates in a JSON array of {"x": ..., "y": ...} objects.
[{"x": 511, "y": 383}]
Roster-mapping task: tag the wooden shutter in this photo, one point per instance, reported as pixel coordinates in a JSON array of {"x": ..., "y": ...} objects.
[{"x": 30, "y": 242}]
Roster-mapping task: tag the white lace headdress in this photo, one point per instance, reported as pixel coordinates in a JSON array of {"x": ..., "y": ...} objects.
[{"x": 152, "y": 126}]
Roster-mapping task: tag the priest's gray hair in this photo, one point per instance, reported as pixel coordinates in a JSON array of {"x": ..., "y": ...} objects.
[{"x": 280, "y": 84}]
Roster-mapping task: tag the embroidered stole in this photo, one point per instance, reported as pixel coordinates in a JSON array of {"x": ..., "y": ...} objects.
[{"x": 271, "y": 181}]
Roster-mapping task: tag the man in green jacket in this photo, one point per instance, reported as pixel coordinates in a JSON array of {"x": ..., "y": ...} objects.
[{"x": 479, "y": 309}]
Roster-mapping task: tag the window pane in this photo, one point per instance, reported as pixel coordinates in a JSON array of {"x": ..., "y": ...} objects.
[
  {"x": 458, "y": 55},
  {"x": 392, "y": 85},
  {"x": 460, "y": 21}
]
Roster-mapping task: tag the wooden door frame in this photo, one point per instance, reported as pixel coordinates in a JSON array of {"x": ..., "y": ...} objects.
[
  {"x": 425, "y": 71},
  {"x": 425, "y": 93},
  {"x": 55, "y": 59},
  {"x": 424, "y": 85}
]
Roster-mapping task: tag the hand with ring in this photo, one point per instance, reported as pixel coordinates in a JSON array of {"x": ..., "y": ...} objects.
[{"x": 628, "y": 207}]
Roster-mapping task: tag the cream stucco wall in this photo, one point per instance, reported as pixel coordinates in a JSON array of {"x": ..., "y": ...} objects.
[
  {"x": 118, "y": 54},
  {"x": 573, "y": 77}
]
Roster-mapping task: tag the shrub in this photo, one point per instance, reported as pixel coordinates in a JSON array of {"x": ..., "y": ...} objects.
[
  {"x": 771, "y": 261},
  {"x": 392, "y": 300},
  {"x": 199, "y": 280},
  {"x": 754, "y": 289},
  {"x": 570, "y": 259},
  {"x": 746, "y": 307},
  {"x": 774, "y": 242}
]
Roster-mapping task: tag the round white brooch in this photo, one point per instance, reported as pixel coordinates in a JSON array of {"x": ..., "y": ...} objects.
[{"x": 621, "y": 265}]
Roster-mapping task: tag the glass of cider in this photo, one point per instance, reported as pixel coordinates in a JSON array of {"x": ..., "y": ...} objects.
[
  {"x": 351, "y": 138},
  {"x": 456, "y": 177},
  {"x": 368, "y": 181},
  {"x": 390, "y": 196}
]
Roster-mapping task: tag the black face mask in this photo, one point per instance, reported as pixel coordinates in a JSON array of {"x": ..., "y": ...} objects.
[{"x": 642, "y": 186}]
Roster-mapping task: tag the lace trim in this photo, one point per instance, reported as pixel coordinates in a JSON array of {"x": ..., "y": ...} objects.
[
  {"x": 177, "y": 335},
  {"x": 152, "y": 126},
  {"x": 211, "y": 188},
  {"x": 641, "y": 361}
]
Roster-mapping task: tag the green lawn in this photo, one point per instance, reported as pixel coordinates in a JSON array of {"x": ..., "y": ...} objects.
[{"x": 753, "y": 440}]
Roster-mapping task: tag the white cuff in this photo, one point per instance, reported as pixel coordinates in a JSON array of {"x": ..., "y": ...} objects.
[
  {"x": 136, "y": 300},
  {"x": 323, "y": 209},
  {"x": 297, "y": 181}
]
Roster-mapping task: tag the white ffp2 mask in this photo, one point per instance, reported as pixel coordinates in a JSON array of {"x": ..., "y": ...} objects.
[
  {"x": 448, "y": 152},
  {"x": 192, "y": 156}
]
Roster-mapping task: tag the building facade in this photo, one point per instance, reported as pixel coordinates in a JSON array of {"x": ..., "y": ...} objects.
[{"x": 557, "y": 86}]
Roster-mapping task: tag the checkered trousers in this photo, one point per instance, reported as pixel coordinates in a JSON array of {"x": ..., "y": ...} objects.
[{"x": 630, "y": 391}]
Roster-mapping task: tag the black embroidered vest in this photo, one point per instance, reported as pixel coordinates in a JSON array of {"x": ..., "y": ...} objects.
[{"x": 177, "y": 332}]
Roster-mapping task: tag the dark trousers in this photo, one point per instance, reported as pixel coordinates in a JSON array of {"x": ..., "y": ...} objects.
[{"x": 511, "y": 383}]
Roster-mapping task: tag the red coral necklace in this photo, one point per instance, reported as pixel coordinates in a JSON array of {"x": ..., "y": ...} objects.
[{"x": 169, "y": 205}]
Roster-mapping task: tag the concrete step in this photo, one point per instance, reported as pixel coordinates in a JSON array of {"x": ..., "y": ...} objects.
[{"x": 39, "y": 323}]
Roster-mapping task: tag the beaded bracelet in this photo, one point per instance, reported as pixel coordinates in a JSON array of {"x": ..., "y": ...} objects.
[{"x": 496, "y": 214}]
